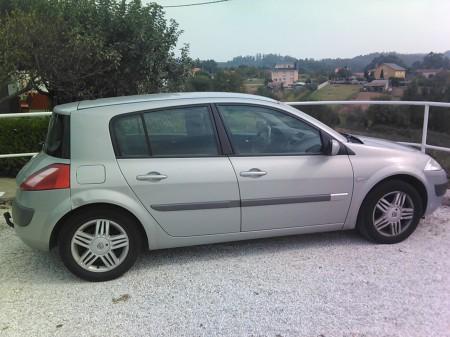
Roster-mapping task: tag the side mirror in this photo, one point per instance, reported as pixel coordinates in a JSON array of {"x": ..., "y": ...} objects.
[{"x": 334, "y": 147}]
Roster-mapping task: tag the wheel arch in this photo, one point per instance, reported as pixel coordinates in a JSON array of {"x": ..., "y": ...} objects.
[
  {"x": 407, "y": 178},
  {"x": 57, "y": 228}
]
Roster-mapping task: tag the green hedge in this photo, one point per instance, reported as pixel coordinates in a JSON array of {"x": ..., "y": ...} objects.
[{"x": 18, "y": 135}]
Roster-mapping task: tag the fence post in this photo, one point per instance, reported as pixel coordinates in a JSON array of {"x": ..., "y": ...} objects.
[{"x": 426, "y": 114}]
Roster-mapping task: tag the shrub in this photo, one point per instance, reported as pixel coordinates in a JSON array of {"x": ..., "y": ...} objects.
[
  {"x": 325, "y": 114},
  {"x": 20, "y": 135}
]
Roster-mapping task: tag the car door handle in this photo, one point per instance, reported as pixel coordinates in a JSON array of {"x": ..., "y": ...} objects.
[
  {"x": 253, "y": 173},
  {"x": 151, "y": 176}
]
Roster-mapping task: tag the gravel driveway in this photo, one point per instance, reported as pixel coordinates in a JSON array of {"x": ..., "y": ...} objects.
[{"x": 333, "y": 284}]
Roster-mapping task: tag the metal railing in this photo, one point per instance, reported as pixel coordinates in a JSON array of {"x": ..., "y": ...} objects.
[
  {"x": 426, "y": 113},
  {"x": 423, "y": 145}
]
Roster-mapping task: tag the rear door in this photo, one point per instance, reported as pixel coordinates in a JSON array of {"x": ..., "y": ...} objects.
[
  {"x": 172, "y": 160},
  {"x": 285, "y": 179}
]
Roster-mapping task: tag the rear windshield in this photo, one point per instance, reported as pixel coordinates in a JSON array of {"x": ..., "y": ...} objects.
[{"x": 57, "y": 143}]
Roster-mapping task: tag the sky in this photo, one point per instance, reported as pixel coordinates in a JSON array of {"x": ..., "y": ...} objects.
[{"x": 311, "y": 28}]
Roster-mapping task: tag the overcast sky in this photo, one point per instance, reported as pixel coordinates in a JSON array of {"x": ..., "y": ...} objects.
[{"x": 312, "y": 28}]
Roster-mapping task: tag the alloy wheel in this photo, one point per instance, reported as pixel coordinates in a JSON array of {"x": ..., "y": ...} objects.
[
  {"x": 100, "y": 245},
  {"x": 393, "y": 213}
]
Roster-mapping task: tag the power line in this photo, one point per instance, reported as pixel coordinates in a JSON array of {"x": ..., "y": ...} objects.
[{"x": 196, "y": 4}]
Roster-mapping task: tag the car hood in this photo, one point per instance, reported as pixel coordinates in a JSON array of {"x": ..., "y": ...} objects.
[{"x": 382, "y": 143}]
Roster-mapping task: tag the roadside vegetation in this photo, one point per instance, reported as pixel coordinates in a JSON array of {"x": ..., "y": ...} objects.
[{"x": 83, "y": 49}]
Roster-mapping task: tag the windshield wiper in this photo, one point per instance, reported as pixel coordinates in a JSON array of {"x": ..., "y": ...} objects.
[{"x": 351, "y": 139}]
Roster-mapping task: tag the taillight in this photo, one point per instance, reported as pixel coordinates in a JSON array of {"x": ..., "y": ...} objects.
[{"x": 52, "y": 177}]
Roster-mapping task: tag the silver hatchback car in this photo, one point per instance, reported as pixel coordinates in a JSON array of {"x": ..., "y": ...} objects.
[{"x": 148, "y": 172}]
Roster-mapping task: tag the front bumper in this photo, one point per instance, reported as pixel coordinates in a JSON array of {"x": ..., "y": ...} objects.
[
  {"x": 437, "y": 187},
  {"x": 441, "y": 189}
]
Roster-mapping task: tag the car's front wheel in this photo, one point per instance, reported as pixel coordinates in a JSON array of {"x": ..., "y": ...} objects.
[
  {"x": 99, "y": 244},
  {"x": 390, "y": 213}
]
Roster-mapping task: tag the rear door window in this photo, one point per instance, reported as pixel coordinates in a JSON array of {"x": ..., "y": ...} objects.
[
  {"x": 130, "y": 136},
  {"x": 183, "y": 132},
  {"x": 57, "y": 143},
  {"x": 174, "y": 132}
]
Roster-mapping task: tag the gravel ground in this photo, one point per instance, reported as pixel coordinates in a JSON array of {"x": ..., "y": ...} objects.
[{"x": 333, "y": 284}]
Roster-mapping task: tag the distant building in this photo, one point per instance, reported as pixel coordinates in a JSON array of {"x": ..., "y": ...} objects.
[
  {"x": 428, "y": 73},
  {"x": 284, "y": 75},
  {"x": 377, "y": 86},
  {"x": 31, "y": 100},
  {"x": 196, "y": 70},
  {"x": 386, "y": 71}
]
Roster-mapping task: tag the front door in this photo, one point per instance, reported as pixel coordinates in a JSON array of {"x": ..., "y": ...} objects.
[
  {"x": 171, "y": 160},
  {"x": 284, "y": 178}
]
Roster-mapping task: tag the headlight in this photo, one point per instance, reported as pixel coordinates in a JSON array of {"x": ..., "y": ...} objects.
[{"x": 432, "y": 165}]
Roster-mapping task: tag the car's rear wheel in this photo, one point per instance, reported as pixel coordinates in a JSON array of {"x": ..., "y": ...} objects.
[
  {"x": 99, "y": 244},
  {"x": 390, "y": 213}
]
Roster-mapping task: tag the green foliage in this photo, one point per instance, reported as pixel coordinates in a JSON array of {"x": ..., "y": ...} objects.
[
  {"x": 264, "y": 91},
  {"x": 398, "y": 116},
  {"x": 335, "y": 92},
  {"x": 20, "y": 135},
  {"x": 435, "y": 89},
  {"x": 200, "y": 82},
  {"x": 82, "y": 49},
  {"x": 259, "y": 60},
  {"x": 323, "y": 113},
  {"x": 228, "y": 81},
  {"x": 433, "y": 61},
  {"x": 342, "y": 73},
  {"x": 208, "y": 66}
]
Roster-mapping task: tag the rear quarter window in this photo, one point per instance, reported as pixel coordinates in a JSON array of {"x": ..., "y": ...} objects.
[
  {"x": 130, "y": 137},
  {"x": 57, "y": 143}
]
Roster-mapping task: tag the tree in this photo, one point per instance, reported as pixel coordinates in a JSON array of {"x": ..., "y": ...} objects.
[
  {"x": 209, "y": 66},
  {"x": 434, "y": 61},
  {"x": 229, "y": 81},
  {"x": 83, "y": 49},
  {"x": 200, "y": 82}
]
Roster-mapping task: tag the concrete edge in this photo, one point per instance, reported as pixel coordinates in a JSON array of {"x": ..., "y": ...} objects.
[{"x": 6, "y": 202}]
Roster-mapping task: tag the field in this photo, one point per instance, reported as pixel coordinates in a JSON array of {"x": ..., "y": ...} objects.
[
  {"x": 336, "y": 92},
  {"x": 251, "y": 85}
]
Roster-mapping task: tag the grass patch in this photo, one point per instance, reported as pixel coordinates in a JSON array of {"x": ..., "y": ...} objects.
[{"x": 336, "y": 92}]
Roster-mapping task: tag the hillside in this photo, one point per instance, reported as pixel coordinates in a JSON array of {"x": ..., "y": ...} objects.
[{"x": 356, "y": 63}]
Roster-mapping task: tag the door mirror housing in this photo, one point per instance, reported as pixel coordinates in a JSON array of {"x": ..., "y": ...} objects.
[
  {"x": 331, "y": 147},
  {"x": 334, "y": 147}
]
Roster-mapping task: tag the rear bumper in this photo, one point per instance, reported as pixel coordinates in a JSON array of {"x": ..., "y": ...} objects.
[
  {"x": 35, "y": 214},
  {"x": 22, "y": 215}
]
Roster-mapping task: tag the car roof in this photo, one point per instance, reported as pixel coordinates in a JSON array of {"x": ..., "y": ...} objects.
[{"x": 68, "y": 108}]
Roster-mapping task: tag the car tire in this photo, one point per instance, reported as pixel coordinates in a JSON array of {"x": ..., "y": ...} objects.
[
  {"x": 99, "y": 244},
  {"x": 390, "y": 212}
]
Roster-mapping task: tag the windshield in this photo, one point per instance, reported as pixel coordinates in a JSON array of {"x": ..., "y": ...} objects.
[{"x": 57, "y": 143}]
